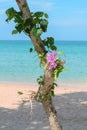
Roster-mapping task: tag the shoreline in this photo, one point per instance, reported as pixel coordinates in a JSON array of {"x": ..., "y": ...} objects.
[
  {"x": 9, "y": 97},
  {"x": 63, "y": 83}
]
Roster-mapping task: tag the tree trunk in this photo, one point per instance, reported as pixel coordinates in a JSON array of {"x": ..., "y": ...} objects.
[
  {"x": 48, "y": 74},
  {"x": 51, "y": 114}
]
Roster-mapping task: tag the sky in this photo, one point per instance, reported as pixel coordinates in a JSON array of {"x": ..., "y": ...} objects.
[{"x": 67, "y": 19}]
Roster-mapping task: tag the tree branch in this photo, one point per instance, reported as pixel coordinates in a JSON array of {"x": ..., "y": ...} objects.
[
  {"x": 39, "y": 47},
  {"x": 24, "y": 8}
]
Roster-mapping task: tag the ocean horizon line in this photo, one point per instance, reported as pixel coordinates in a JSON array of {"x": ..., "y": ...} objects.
[{"x": 54, "y": 40}]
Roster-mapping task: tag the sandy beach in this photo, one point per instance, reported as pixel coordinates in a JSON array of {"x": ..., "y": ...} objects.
[{"x": 70, "y": 102}]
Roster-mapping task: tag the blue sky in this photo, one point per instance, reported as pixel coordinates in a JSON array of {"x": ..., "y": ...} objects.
[{"x": 67, "y": 19}]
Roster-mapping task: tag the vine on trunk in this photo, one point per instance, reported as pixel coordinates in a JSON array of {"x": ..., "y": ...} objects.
[{"x": 37, "y": 25}]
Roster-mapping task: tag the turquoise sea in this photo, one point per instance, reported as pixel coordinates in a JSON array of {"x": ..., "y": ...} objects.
[{"x": 18, "y": 65}]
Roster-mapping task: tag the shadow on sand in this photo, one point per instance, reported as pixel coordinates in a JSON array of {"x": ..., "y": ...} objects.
[{"x": 71, "y": 108}]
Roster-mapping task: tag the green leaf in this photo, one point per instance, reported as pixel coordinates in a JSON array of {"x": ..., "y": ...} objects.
[
  {"x": 45, "y": 15},
  {"x": 42, "y": 55},
  {"x": 10, "y": 13},
  {"x": 31, "y": 49},
  {"x": 19, "y": 27},
  {"x": 55, "y": 84},
  {"x": 64, "y": 69},
  {"x": 59, "y": 52},
  {"x": 38, "y": 14},
  {"x": 50, "y": 40},
  {"x": 44, "y": 28},
  {"x": 52, "y": 93},
  {"x": 53, "y": 47},
  {"x": 27, "y": 30},
  {"x": 42, "y": 96},
  {"x": 14, "y": 32},
  {"x": 43, "y": 24},
  {"x": 35, "y": 21},
  {"x": 45, "y": 66},
  {"x": 40, "y": 80},
  {"x": 20, "y": 93},
  {"x": 39, "y": 32},
  {"x": 18, "y": 18},
  {"x": 34, "y": 30},
  {"x": 28, "y": 22},
  {"x": 56, "y": 72}
]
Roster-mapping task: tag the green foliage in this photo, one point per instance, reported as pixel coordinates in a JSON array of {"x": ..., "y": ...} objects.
[
  {"x": 20, "y": 93},
  {"x": 31, "y": 49},
  {"x": 36, "y": 31},
  {"x": 42, "y": 97},
  {"x": 39, "y": 32},
  {"x": 45, "y": 15},
  {"x": 19, "y": 27},
  {"x": 52, "y": 93},
  {"x": 64, "y": 69},
  {"x": 53, "y": 47},
  {"x": 39, "y": 14},
  {"x": 28, "y": 22},
  {"x": 54, "y": 85},
  {"x": 36, "y": 25},
  {"x": 58, "y": 69},
  {"x": 60, "y": 53},
  {"x": 40, "y": 81},
  {"x": 49, "y": 43},
  {"x": 52, "y": 89},
  {"x": 10, "y": 14},
  {"x": 39, "y": 23},
  {"x": 43, "y": 24},
  {"x": 14, "y": 32},
  {"x": 56, "y": 72},
  {"x": 17, "y": 17},
  {"x": 42, "y": 55}
]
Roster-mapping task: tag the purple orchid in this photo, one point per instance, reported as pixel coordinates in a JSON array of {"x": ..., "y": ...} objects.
[{"x": 51, "y": 59}]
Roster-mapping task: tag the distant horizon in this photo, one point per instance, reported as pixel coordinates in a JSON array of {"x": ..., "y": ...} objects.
[{"x": 54, "y": 40}]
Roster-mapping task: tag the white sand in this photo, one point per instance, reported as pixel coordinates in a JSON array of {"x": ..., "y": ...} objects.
[{"x": 71, "y": 105}]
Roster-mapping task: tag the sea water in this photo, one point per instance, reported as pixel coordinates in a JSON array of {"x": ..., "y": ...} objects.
[{"x": 18, "y": 65}]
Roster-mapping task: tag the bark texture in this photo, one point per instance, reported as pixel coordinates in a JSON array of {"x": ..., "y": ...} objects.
[
  {"x": 48, "y": 74},
  {"x": 51, "y": 114}
]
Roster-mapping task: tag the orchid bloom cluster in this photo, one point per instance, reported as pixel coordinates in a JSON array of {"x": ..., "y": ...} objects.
[{"x": 51, "y": 58}]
